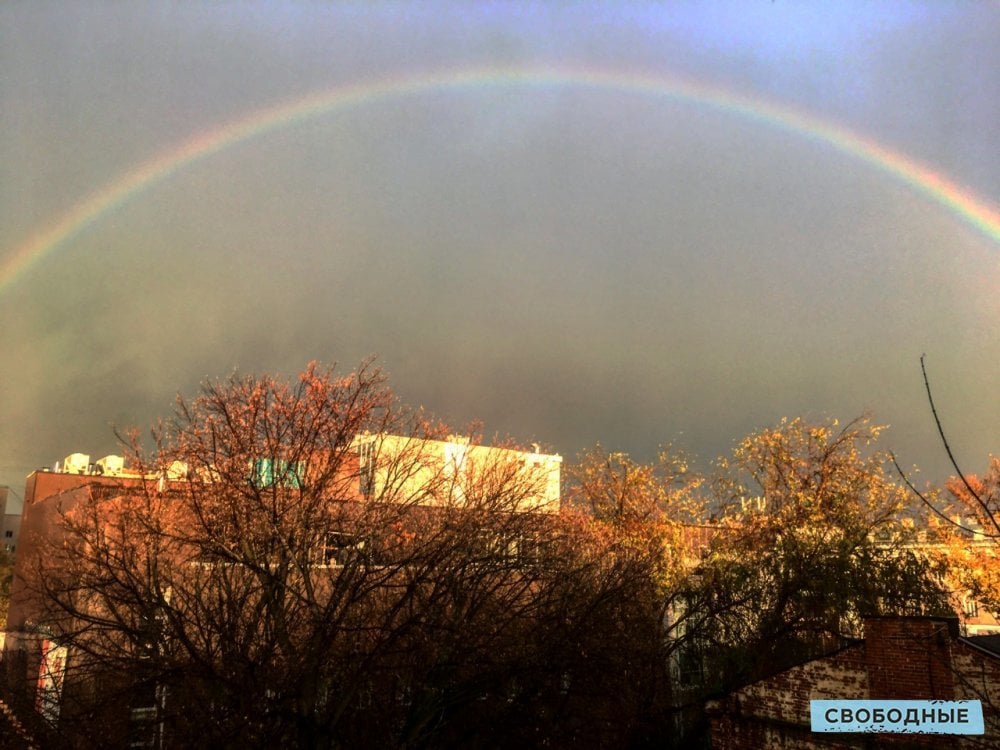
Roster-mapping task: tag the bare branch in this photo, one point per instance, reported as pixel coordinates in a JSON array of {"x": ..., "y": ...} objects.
[{"x": 959, "y": 473}]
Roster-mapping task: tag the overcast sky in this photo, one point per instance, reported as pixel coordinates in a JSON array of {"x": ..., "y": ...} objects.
[{"x": 569, "y": 264}]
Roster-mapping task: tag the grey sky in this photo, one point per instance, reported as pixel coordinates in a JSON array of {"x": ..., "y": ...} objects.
[{"x": 568, "y": 265}]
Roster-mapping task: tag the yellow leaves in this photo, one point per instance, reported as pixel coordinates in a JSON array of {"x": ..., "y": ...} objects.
[
  {"x": 804, "y": 469},
  {"x": 966, "y": 540},
  {"x": 617, "y": 489}
]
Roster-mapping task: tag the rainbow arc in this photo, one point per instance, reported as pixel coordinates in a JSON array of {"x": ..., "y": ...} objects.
[{"x": 962, "y": 203}]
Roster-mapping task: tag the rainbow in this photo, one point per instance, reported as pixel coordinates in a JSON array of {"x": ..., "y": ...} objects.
[{"x": 91, "y": 209}]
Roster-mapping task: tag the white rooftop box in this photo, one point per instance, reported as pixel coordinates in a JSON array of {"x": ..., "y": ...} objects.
[
  {"x": 110, "y": 466},
  {"x": 76, "y": 463}
]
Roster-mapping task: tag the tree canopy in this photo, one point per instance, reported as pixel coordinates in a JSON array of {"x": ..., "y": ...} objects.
[
  {"x": 810, "y": 540},
  {"x": 312, "y": 564},
  {"x": 283, "y": 573}
]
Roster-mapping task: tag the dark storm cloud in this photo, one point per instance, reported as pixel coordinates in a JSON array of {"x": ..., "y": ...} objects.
[{"x": 567, "y": 265}]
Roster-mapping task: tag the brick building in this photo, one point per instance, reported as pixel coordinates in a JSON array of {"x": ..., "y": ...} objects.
[
  {"x": 900, "y": 658},
  {"x": 10, "y": 523},
  {"x": 964, "y": 545},
  {"x": 449, "y": 465},
  {"x": 423, "y": 474}
]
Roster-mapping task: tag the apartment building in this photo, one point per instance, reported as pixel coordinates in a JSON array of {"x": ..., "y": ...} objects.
[
  {"x": 10, "y": 523},
  {"x": 427, "y": 476}
]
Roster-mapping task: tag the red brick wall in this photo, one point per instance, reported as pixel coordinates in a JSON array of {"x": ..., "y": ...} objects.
[
  {"x": 910, "y": 658},
  {"x": 775, "y": 712},
  {"x": 906, "y": 658}
]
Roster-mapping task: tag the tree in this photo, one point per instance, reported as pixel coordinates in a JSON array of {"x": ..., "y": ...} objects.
[
  {"x": 654, "y": 507},
  {"x": 657, "y": 511},
  {"x": 969, "y": 527},
  {"x": 313, "y": 565},
  {"x": 810, "y": 540},
  {"x": 6, "y": 575},
  {"x": 617, "y": 489},
  {"x": 971, "y": 535},
  {"x": 966, "y": 535},
  {"x": 803, "y": 539}
]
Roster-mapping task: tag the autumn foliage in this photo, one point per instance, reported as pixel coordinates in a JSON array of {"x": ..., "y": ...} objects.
[
  {"x": 300, "y": 565},
  {"x": 810, "y": 540},
  {"x": 970, "y": 531},
  {"x": 265, "y": 586}
]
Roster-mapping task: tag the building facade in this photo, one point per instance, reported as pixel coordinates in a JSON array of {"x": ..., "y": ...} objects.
[
  {"x": 10, "y": 523},
  {"x": 900, "y": 658},
  {"x": 426, "y": 476}
]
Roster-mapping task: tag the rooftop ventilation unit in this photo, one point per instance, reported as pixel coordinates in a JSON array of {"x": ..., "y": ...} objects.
[
  {"x": 76, "y": 463},
  {"x": 110, "y": 466}
]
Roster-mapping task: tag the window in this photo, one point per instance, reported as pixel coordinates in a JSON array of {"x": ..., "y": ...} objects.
[
  {"x": 510, "y": 546},
  {"x": 8, "y": 534},
  {"x": 339, "y": 549},
  {"x": 690, "y": 670},
  {"x": 404, "y": 694},
  {"x": 144, "y": 719},
  {"x": 971, "y": 607},
  {"x": 366, "y": 463},
  {"x": 530, "y": 548},
  {"x": 492, "y": 545},
  {"x": 267, "y": 472}
]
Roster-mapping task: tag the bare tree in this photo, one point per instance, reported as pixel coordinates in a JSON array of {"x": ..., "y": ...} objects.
[{"x": 313, "y": 565}]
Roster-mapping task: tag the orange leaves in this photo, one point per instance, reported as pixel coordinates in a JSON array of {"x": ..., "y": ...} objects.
[
  {"x": 638, "y": 512},
  {"x": 970, "y": 539},
  {"x": 617, "y": 489},
  {"x": 977, "y": 501},
  {"x": 811, "y": 473}
]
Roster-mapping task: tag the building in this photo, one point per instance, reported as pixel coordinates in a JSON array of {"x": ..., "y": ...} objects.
[
  {"x": 447, "y": 471},
  {"x": 900, "y": 658},
  {"x": 427, "y": 476},
  {"x": 434, "y": 473},
  {"x": 46, "y": 493},
  {"x": 10, "y": 523},
  {"x": 962, "y": 545}
]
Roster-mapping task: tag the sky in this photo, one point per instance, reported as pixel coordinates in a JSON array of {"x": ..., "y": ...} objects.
[{"x": 636, "y": 224}]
